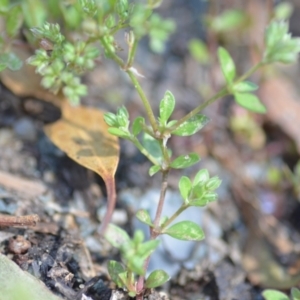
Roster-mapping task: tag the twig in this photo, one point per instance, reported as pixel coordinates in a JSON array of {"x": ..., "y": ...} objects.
[{"x": 19, "y": 221}]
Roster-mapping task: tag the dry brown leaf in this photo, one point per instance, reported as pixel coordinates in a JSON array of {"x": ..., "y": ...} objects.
[
  {"x": 283, "y": 105},
  {"x": 83, "y": 135}
]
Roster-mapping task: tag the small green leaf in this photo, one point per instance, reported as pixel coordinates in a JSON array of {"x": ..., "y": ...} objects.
[
  {"x": 114, "y": 269},
  {"x": 171, "y": 123},
  {"x": 11, "y": 61},
  {"x": 122, "y": 111},
  {"x": 198, "y": 192},
  {"x": 199, "y": 202},
  {"x": 2, "y": 66},
  {"x": 123, "y": 117},
  {"x": 116, "y": 236},
  {"x": 136, "y": 264},
  {"x": 89, "y": 7},
  {"x": 250, "y": 102},
  {"x": 14, "y": 20},
  {"x": 229, "y": 20},
  {"x": 119, "y": 132},
  {"x": 191, "y": 126},
  {"x": 137, "y": 125},
  {"x": 185, "y": 161},
  {"x": 280, "y": 45},
  {"x": 199, "y": 51},
  {"x": 35, "y": 12},
  {"x": 274, "y": 34},
  {"x": 145, "y": 249},
  {"x": 208, "y": 197},
  {"x": 14, "y": 63},
  {"x": 4, "y": 5},
  {"x": 152, "y": 146},
  {"x": 110, "y": 119},
  {"x": 156, "y": 278},
  {"x": 124, "y": 279},
  {"x": 244, "y": 86},
  {"x": 227, "y": 65},
  {"x": 132, "y": 294},
  {"x": 185, "y": 230},
  {"x": 213, "y": 183},
  {"x": 185, "y": 187},
  {"x": 153, "y": 170},
  {"x": 283, "y": 11},
  {"x": 122, "y": 9},
  {"x": 201, "y": 176},
  {"x": 144, "y": 217},
  {"x": 163, "y": 220},
  {"x": 295, "y": 293},
  {"x": 166, "y": 107},
  {"x": 138, "y": 237},
  {"x": 274, "y": 295}
]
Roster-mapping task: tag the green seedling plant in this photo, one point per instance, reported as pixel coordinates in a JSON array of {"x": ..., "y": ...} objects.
[{"x": 61, "y": 60}]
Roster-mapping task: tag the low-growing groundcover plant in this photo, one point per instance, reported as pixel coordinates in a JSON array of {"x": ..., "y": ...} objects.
[{"x": 61, "y": 59}]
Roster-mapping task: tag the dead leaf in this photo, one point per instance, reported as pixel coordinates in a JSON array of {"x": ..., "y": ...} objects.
[
  {"x": 283, "y": 106},
  {"x": 83, "y": 135}
]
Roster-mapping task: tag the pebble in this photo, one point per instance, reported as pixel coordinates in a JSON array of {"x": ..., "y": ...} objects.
[{"x": 25, "y": 129}]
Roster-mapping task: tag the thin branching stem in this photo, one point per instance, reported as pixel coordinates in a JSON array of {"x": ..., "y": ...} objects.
[
  {"x": 154, "y": 233},
  {"x": 174, "y": 216},
  {"x": 111, "y": 53},
  {"x": 137, "y": 143},
  {"x": 225, "y": 91},
  {"x": 163, "y": 190},
  {"x": 199, "y": 108},
  {"x": 134, "y": 81},
  {"x": 144, "y": 99}
]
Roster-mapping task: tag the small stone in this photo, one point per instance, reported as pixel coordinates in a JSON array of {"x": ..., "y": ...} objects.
[{"x": 25, "y": 129}]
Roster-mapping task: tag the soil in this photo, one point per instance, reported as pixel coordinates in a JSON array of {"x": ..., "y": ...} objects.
[{"x": 254, "y": 224}]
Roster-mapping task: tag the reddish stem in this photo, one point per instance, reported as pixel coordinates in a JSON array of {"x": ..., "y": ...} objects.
[
  {"x": 154, "y": 232},
  {"x": 111, "y": 202}
]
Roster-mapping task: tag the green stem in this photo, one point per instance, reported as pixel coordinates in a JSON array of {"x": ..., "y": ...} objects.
[
  {"x": 163, "y": 190},
  {"x": 144, "y": 99},
  {"x": 174, "y": 216},
  {"x": 164, "y": 150},
  {"x": 111, "y": 53},
  {"x": 196, "y": 110},
  {"x": 134, "y": 81},
  {"x": 250, "y": 72},
  {"x": 148, "y": 130},
  {"x": 137, "y": 143},
  {"x": 118, "y": 27},
  {"x": 154, "y": 233},
  {"x": 225, "y": 91}
]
